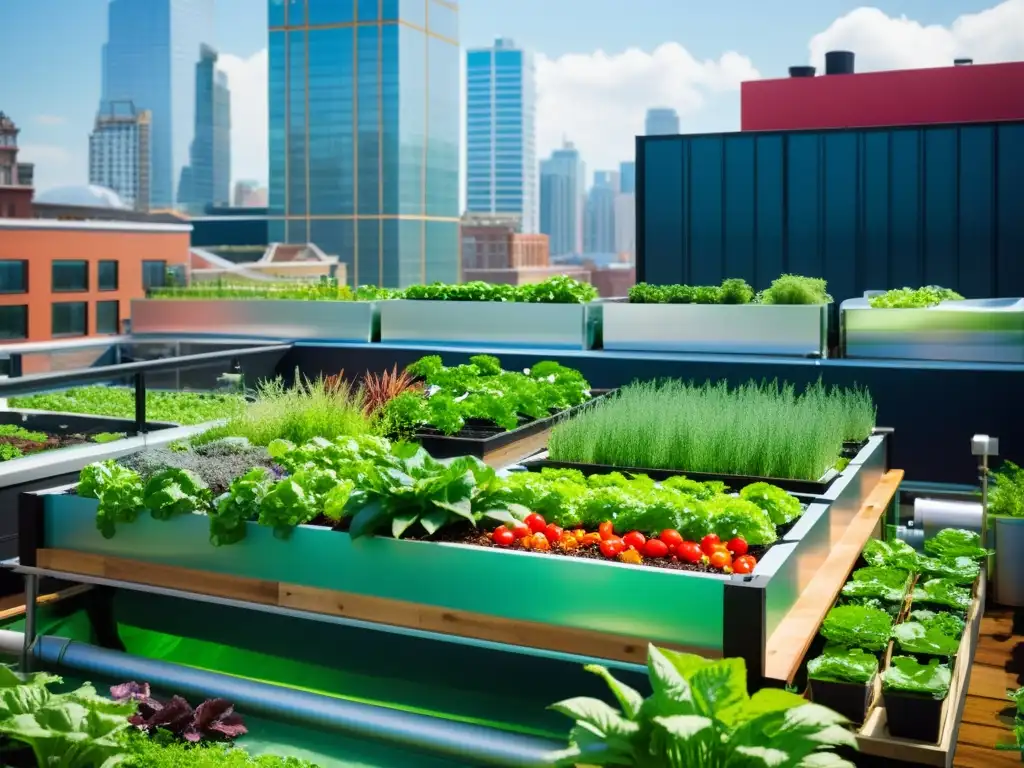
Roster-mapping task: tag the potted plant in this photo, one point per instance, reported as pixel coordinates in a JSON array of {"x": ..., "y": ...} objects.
[
  {"x": 1006, "y": 511},
  {"x": 857, "y": 626},
  {"x": 942, "y": 594},
  {"x": 925, "y": 641},
  {"x": 842, "y": 679},
  {"x": 887, "y": 585},
  {"x": 914, "y": 695}
]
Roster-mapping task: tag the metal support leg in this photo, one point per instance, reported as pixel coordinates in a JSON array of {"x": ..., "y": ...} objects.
[
  {"x": 31, "y": 596},
  {"x": 140, "y": 403}
]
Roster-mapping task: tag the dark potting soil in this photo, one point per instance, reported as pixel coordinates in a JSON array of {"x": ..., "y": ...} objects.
[{"x": 52, "y": 442}]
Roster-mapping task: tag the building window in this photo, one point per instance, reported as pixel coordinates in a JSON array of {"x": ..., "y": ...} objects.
[
  {"x": 154, "y": 274},
  {"x": 108, "y": 276},
  {"x": 108, "y": 317},
  {"x": 69, "y": 319},
  {"x": 13, "y": 276},
  {"x": 69, "y": 276},
  {"x": 14, "y": 322}
]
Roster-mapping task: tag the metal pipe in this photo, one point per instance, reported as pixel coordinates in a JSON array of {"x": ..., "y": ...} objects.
[
  {"x": 31, "y": 596},
  {"x": 462, "y": 741}
]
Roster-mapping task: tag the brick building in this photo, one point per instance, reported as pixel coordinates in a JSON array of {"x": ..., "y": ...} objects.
[{"x": 15, "y": 177}]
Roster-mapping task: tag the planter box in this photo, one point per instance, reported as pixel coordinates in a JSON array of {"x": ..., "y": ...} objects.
[
  {"x": 851, "y": 700},
  {"x": 974, "y": 330},
  {"x": 492, "y": 323},
  {"x": 1009, "y": 575},
  {"x": 749, "y": 329},
  {"x": 351, "y": 321},
  {"x": 449, "y": 589},
  {"x": 497, "y": 446},
  {"x": 913, "y": 716}
]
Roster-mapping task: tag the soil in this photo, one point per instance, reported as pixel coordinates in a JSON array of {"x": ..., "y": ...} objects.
[{"x": 52, "y": 442}]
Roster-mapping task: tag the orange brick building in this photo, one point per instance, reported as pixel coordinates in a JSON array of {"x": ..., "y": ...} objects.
[{"x": 66, "y": 279}]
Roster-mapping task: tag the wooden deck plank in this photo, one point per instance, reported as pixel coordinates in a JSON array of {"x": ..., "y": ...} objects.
[{"x": 970, "y": 756}]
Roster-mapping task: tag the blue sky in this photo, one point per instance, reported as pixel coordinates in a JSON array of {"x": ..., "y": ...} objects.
[{"x": 55, "y": 87}]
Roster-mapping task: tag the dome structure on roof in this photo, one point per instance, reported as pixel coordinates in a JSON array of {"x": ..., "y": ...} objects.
[{"x": 84, "y": 196}]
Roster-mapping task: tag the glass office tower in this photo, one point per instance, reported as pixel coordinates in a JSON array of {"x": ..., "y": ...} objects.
[
  {"x": 149, "y": 59},
  {"x": 364, "y": 135},
  {"x": 207, "y": 180}
]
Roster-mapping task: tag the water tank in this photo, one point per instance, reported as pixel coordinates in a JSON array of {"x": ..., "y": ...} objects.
[
  {"x": 962, "y": 62},
  {"x": 802, "y": 71},
  {"x": 839, "y": 63}
]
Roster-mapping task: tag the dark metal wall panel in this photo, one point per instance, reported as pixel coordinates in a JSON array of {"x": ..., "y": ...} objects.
[{"x": 866, "y": 209}]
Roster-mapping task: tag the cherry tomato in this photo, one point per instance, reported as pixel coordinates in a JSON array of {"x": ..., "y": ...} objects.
[
  {"x": 634, "y": 540},
  {"x": 707, "y": 544},
  {"x": 689, "y": 552},
  {"x": 568, "y": 542},
  {"x": 592, "y": 538},
  {"x": 612, "y": 547},
  {"x": 744, "y": 564},
  {"x": 553, "y": 532},
  {"x": 737, "y": 546},
  {"x": 536, "y": 522},
  {"x": 606, "y": 530},
  {"x": 655, "y": 548},
  {"x": 719, "y": 548},
  {"x": 630, "y": 556},
  {"x": 540, "y": 542},
  {"x": 672, "y": 537},
  {"x": 720, "y": 560},
  {"x": 519, "y": 529},
  {"x": 503, "y": 537}
]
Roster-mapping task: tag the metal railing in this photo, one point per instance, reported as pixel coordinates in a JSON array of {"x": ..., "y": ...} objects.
[{"x": 40, "y": 382}]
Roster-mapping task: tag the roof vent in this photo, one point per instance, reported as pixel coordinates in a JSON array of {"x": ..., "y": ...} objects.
[
  {"x": 839, "y": 63},
  {"x": 962, "y": 62},
  {"x": 802, "y": 71}
]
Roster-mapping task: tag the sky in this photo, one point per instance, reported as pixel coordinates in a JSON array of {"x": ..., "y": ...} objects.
[{"x": 600, "y": 63}]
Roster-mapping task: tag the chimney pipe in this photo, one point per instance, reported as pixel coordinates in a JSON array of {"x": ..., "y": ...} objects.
[
  {"x": 802, "y": 71},
  {"x": 839, "y": 63},
  {"x": 962, "y": 62}
]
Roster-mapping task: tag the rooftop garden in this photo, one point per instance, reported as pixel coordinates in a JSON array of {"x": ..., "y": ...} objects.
[
  {"x": 787, "y": 289},
  {"x": 119, "y": 402},
  {"x": 914, "y": 298}
]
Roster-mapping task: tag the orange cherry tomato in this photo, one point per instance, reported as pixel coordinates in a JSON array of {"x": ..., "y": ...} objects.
[
  {"x": 606, "y": 530},
  {"x": 744, "y": 564},
  {"x": 720, "y": 560}
]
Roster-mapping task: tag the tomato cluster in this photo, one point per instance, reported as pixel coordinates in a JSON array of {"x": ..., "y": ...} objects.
[{"x": 536, "y": 533}]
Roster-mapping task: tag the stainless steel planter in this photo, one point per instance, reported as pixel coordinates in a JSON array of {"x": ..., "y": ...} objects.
[
  {"x": 494, "y": 323},
  {"x": 767, "y": 329},
  {"x": 357, "y": 321},
  {"x": 974, "y": 330},
  {"x": 1009, "y": 570}
]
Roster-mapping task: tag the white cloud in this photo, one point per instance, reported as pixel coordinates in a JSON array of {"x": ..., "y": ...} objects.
[
  {"x": 55, "y": 166},
  {"x": 885, "y": 42},
  {"x": 598, "y": 100},
  {"x": 247, "y": 79}
]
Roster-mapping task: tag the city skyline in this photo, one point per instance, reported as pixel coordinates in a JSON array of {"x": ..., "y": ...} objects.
[{"x": 598, "y": 71}]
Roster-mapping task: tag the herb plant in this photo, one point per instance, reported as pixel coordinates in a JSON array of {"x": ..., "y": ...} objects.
[
  {"x": 119, "y": 402},
  {"x": 837, "y": 664},
  {"x": 947, "y": 623},
  {"x": 164, "y": 751},
  {"x": 795, "y": 289},
  {"x": 907, "y": 675},
  {"x": 857, "y": 626},
  {"x": 1006, "y": 491},
  {"x": 700, "y": 714},
  {"x": 913, "y": 298},
  {"x": 324, "y": 289},
  {"x": 787, "y": 289},
  {"x": 558, "y": 289}
]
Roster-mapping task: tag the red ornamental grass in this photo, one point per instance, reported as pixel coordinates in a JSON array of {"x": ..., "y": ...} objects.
[{"x": 380, "y": 389}]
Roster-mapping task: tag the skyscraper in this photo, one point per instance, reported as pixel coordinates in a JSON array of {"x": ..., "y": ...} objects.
[
  {"x": 150, "y": 59},
  {"x": 561, "y": 200},
  {"x": 501, "y": 155},
  {"x": 207, "y": 178},
  {"x": 661, "y": 121},
  {"x": 120, "y": 151},
  {"x": 599, "y": 216},
  {"x": 627, "y": 177},
  {"x": 364, "y": 134}
]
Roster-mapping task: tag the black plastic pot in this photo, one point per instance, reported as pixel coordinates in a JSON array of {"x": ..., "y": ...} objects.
[
  {"x": 913, "y": 715},
  {"x": 851, "y": 700}
]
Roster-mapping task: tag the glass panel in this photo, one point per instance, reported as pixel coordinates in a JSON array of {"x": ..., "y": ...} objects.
[
  {"x": 335, "y": 238},
  {"x": 154, "y": 274},
  {"x": 442, "y": 251},
  {"x": 370, "y": 10},
  {"x": 70, "y": 276},
  {"x": 108, "y": 317},
  {"x": 412, "y": 109},
  {"x": 277, "y": 89},
  {"x": 298, "y": 231},
  {"x": 329, "y": 11},
  {"x": 13, "y": 322},
  {"x": 369, "y": 127},
  {"x": 390, "y": 103},
  {"x": 410, "y": 252},
  {"x": 68, "y": 318},
  {"x": 276, "y": 12},
  {"x": 368, "y": 245},
  {"x": 107, "y": 277},
  {"x": 275, "y": 231},
  {"x": 297, "y": 165},
  {"x": 443, "y": 20},
  {"x": 13, "y": 276},
  {"x": 331, "y": 84},
  {"x": 443, "y": 129}
]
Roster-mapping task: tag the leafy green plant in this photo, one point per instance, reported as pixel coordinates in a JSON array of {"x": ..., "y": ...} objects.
[
  {"x": 756, "y": 430},
  {"x": 558, "y": 289},
  {"x": 857, "y": 626},
  {"x": 174, "y": 492},
  {"x": 837, "y": 664},
  {"x": 942, "y": 592},
  {"x": 119, "y": 402},
  {"x": 163, "y": 751},
  {"x": 956, "y": 542},
  {"x": 887, "y": 584},
  {"x": 795, "y": 289},
  {"x": 947, "y": 623},
  {"x": 908, "y": 675},
  {"x": 698, "y": 715},
  {"x": 914, "y": 637},
  {"x": 891, "y": 554},
  {"x": 781, "y": 506},
  {"x": 107, "y": 437},
  {"x": 1006, "y": 491},
  {"x": 913, "y": 298},
  {"x": 962, "y": 570},
  {"x": 324, "y": 289},
  {"x": 10, "y": 452},
  {"x": 119, "y": 491},
  {"x": 20, "y": 433}
]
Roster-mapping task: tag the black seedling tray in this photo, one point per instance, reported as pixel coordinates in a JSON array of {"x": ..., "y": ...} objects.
[{"x": 480, "y": 438}]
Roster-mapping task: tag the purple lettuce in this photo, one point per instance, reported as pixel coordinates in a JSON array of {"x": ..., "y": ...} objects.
[{"x": 213, "y": 720}]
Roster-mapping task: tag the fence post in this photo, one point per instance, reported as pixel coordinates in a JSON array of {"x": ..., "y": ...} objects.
[{"x": 140, "y": 403}]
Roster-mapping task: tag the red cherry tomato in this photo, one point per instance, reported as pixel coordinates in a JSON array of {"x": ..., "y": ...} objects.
[
  {"x": 737, "y": 546},
  {"x": 634, "y": 540},
  {"x": 689, "y": 552},
  {"x": 744, "y": 564},
  {"x": 655, "y": 548},
  {"x": 720, "y": 560},
  {"x": 672, "y": 537},
  {"x": 553, "y": 532},
  {"x": 707, "y": 544},
  {"x": 540, "y": 542},
  {"x": 503, "y": 537},
  {"x": 612, "y": 547},
  {"x": 606, "y": 529},
  {"x": 520, "y": 530},
  {"x": 536, "y": 522}
]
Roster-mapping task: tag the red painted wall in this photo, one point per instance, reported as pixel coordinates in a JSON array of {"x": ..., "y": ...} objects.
[{"x": 973, "y": 93}]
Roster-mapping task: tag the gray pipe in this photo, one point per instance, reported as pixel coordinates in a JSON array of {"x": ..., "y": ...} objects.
[{"x": 446, "y": 738}]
